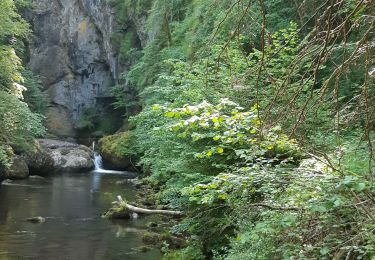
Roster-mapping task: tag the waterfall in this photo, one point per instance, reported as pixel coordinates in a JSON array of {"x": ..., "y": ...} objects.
[{"x": 98, "y": 162}]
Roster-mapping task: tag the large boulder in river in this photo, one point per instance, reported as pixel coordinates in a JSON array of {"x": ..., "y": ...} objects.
[
  {"x": 116, "y": 151},
  {"x": 18, "y": 169},
  {"x": 39, "y": 160},
  {"x": 68, "y": 156}
]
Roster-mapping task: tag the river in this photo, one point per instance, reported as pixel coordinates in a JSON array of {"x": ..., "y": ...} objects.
[{"x": 72, "y": 204}]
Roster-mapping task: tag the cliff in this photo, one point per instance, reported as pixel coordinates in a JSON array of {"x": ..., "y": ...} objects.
[{"x": 72, "y": 53}]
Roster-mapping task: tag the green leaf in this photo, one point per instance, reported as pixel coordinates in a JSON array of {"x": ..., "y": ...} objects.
[
  {"x": 220, "y": 150},
  {"x": 169, "y": 114},
  {"x": 348, "y": 180},
  {"x": 324, "y": 250},
  {"x": 338, "y": 202},
  {"x": 359, "y": 187},
  {"x": 156, "y": 107},
  {"x": 216, "y": 138}
]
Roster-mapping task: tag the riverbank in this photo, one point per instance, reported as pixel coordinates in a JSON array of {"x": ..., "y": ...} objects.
[{"x": 48, "y": 156}]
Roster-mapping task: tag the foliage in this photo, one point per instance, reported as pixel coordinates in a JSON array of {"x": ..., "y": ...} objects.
[
  {"x": 319, "y": 229},
  {"x": 5, "y": 161},
  {"x": 34, "y": 95},
  {"x": 297, "y": 71},
  {"x": 88, "y": 119},
  {"x": 229, "y": 133},
  {"x": 17, "y": 119},
  {"x": 18, "y": 122},
  {"x": 93, "y": 124},
  {"x": 10, "y": 76},
  {"x": 190, "y": 252},
  {"x": 12, "y": 25}
]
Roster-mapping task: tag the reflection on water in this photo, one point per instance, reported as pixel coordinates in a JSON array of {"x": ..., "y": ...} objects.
[{"x": 71, "y": 204}]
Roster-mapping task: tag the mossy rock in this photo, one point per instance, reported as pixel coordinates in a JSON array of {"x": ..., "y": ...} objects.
[
  {"x": 6, "y": 154},
  {"x": 117, "y": 213},
  {"x": 18, "y": 169},
  {"x": 117, "y": 151},
  {"x": 39, "y": 160},
  {"x": 151, "y": 238}
]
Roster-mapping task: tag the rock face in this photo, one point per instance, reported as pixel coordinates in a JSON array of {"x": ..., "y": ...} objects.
[
  {"x": 68, "y": 157},
  {"x": 71, "y": 51},
  {"x": 18, "y": 170}
]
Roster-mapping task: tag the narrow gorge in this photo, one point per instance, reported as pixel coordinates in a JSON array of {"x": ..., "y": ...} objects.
[{"x": 176, "y": 129}]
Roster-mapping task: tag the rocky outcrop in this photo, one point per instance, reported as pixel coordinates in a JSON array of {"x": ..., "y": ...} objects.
[
  {"x": 116, "y": 151},
  {"x": 71, "y": 51},
  {"x": 68, "y": 157},
  {"x": 18, "y": 169},
  {"x": 114, "y": 162},
  {"x": 39, "y": 161}
]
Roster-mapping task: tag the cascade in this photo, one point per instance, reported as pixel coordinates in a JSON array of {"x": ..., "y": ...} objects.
[{"x": 98, "y": 162}]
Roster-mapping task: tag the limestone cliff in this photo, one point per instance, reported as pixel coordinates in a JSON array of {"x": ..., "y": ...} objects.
[{"x": 72, "y": 53}]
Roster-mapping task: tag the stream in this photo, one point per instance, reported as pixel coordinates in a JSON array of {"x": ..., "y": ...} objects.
[{"x": 72, "y": 204}]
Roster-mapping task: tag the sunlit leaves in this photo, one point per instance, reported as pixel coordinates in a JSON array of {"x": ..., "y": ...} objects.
[
  {"x": 11, "y": 23},
  {"x": 219, "y": 189},
  {"x": 10, "y": 66},
  {"x": 17, "y": 123},
  {"x": 224, "y": 129},
  {"x": 12, "y": 26}
]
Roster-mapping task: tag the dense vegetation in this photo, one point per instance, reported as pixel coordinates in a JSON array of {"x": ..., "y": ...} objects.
[
  {"x": 257, "y": 121},
  {"x": 21, "y": 99}
]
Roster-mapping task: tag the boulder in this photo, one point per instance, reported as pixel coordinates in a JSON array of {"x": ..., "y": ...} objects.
[
  {"x": 68, "y": 157},
  {"x": 116, "y": 150},
  {"x": 39, "y": 161},
  {"x": 18, "y": 169},
  {"x": 38, "y": 219}
]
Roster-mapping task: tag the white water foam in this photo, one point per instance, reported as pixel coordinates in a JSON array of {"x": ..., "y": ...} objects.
[{"x": 98, "y": 162}]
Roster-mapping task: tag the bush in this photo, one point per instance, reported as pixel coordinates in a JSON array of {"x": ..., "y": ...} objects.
[{"x": 18, "y": 124}]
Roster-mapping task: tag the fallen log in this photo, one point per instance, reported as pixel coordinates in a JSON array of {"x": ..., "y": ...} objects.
[
  {"x": 123, "y": 210},
  {"x": 153, "y": 211}
]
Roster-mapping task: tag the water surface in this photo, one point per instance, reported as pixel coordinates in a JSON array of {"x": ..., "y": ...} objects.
[{"x": 72, "y": 205}]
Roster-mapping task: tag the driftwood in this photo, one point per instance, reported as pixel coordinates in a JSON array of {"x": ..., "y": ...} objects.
[{"x": 122, "y": 209}]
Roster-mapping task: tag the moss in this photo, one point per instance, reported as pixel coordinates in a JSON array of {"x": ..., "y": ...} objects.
[
  {"x": 117, "y": 212},
  {"x": 117, "y": 150},
  {"x": 118, "y": 145},
  {"x": 151, "y": 238},
  {"x": 190, "y": 252}
]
